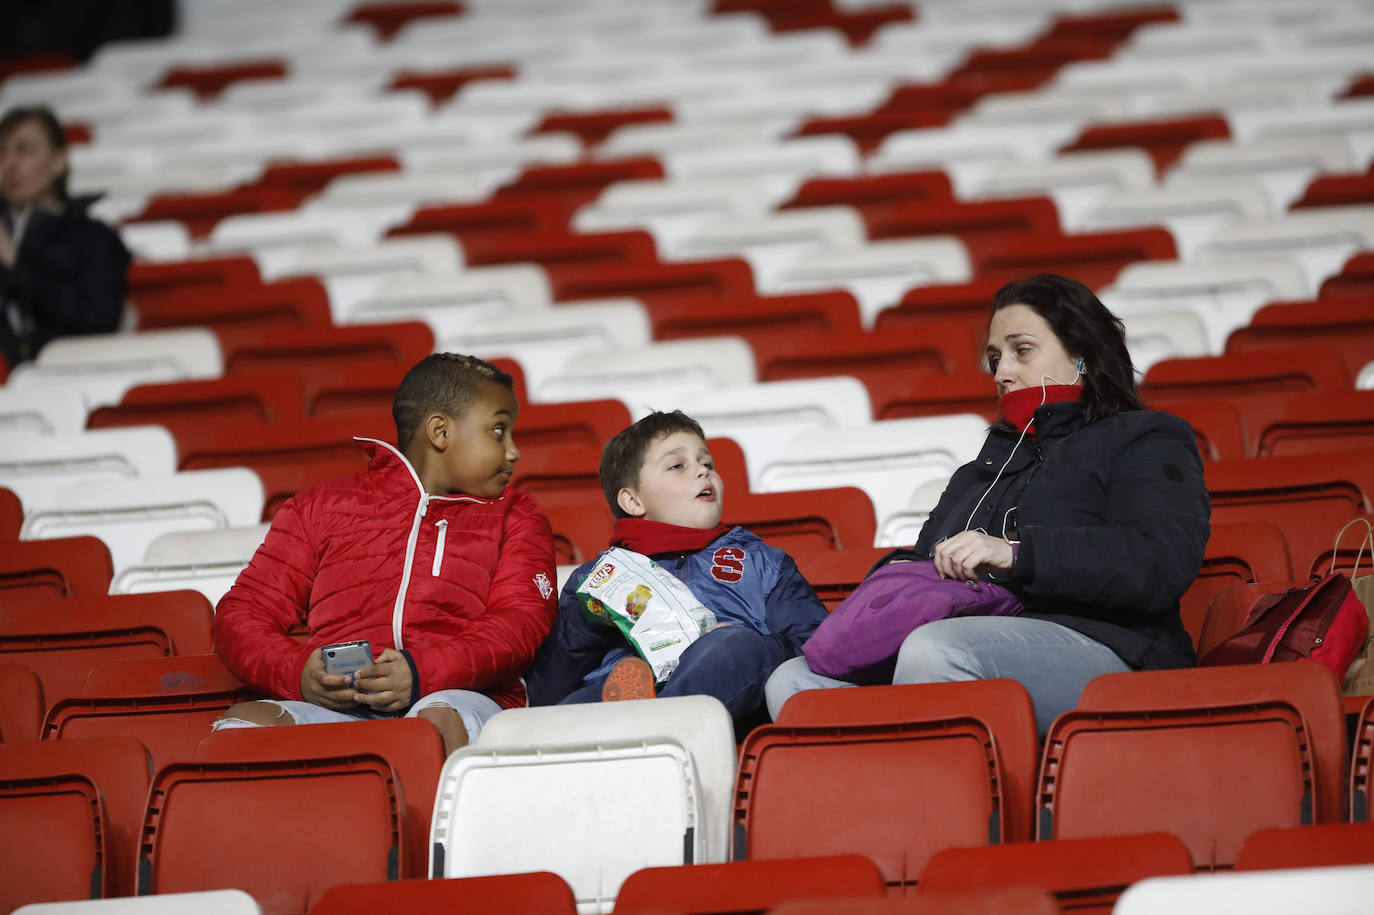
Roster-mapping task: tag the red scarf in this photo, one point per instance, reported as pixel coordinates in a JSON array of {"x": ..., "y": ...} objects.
[
  {"x": 1017, "y": 407},
  {"x": 653, "y": 537}
]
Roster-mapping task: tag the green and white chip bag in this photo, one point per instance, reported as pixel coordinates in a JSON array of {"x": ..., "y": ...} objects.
[{"x": 657, "y": 613}]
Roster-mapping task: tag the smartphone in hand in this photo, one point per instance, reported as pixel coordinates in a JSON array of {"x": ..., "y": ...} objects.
[{"x": 347, "y": 658}]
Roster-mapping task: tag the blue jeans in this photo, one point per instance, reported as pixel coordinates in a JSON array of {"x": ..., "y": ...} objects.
[
  {"x": 731, "y": 663},
  {"x": 1051, "y": 661}
]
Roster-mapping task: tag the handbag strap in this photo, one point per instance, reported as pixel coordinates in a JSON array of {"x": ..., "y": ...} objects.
[{"x": 1366, "y": 541}]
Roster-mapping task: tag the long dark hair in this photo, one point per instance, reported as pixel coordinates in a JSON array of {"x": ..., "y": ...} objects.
[
  {"x": 1086, "y": 328},
  {"x": 52, "y": 129}
]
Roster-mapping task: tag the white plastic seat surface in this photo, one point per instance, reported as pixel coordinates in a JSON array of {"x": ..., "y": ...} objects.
[
  {"x": 190, "y": 352},
  {"x": 775, "y": 242},
  {"x": 889, "y": 459},
  {"x": 39, "y": 467},
  {"x": 605, "y": 809},
  {"x": 640, "y": 375},
  {"x": 210, "y": 902},
  {"x": 127, "y": 514},
  {"x": 1312, "y": 891},
  {"x": 449, "y": 302},
  {"x": 356, "y": 273},
  {"x": 1322, "y": 239},
  {"x": 48, "y": 411},
  {"x": 763, "y": 417},
  {"x": 699, "y": 723},
  {"x": 207, "y": 561}
]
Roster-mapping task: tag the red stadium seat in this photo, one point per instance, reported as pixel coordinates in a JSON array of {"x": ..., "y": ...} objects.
[
  {"x": 442, "y": 85},
  {"x": 1093, "y": 258},
  {"x": 1036, "y": 63},
  {"x": 1237, "y": 553},
  {"x": 868, "y": 131},
  {"x": 919, "y": 349},
  {"x": 21, "y": 714},
  {"x": 1362, "y": 765},
  {"x": 1217, "y": 426},
  {"x": 305, "y": 348},
  {"x": 1308, "y": 497},
  {"x": 1187, "y": 734},
  {"x": 501, "y": 217},
  {"x": 835, "y": 573},
  {"x": 966, "y": 752},
  {"x": 874, "y": 196},
  {"x": 579, "y": 183},
  {"x": 35, "y": 572},
  {"x": 777, "y": 318},
  {"x": 896, "y": 393},
  {"x": 538, "y": 893},
  {"x": 1345, "y": 325},
  {"x": 561, "y": 253},
  {"x": 1337, "y": 190},
  {"x": 1318, "y": 424},
  {"x": 208, "y": 81},
  {"x": 592, "y": 127},
  {"x": 955, "y": 93},
  {"x": 581, "y": 522},
  {"x": 746, "y": 886},
  {"x": 201, "y": 212},
  {"x": 944, "y": 301},
  {"x": 856, "y": 25},
  {"x": 1110, "y": 25},
  {"x": 652, "y": 284},
  {"x": 89, "y": 796},
  {"x": 981, "y": 224},
  {"x": 573, "y": 468},
  {"x": 1085, "y": 875},
  {"x": 1328, "y": 845},
  {"x": 313, "y": 176},
  {"x": 1287, "y": 370},
  {"x": 149, "y": 283},
  {"x": 187, "y": 406},
  {"x": 167, "y": 703},
  {"x": 1355, "y": 279},
  {"x": 1164, "y": 140},
  {"x": 410, "y": 747},
  {"x": 62, "y": 640},
  {"x": 389, "y": 18},
  {"x": 808, "y": 519},
  {"x": 11, "y": 515},
  {"x": 295, "y": 301}
]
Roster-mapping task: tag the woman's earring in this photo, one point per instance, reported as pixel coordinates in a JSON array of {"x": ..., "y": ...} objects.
[{"x": 1081, "y": 366}]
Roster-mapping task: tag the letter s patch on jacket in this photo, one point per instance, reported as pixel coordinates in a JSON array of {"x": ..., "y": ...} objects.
[{"x": 727, "y": 564}]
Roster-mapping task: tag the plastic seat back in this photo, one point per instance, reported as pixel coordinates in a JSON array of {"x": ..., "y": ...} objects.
[
  {"x": 1085, "y": 875},
  {"x": 1327, "y": 845},
  {"x": 537, "y": 893},
  {"x": 167, "y": 703},
  {"x": 896, "y": 783},
  {"x": 88, "y": 796},
  {"x": 39, "y": 571},
  {"x": 63, "y": 640},
  {"x": 1236, "y": 553},
  {"x": 1362, "y": 765},
  {"x": 1189, "y": 733},
  {"x": 411, "y": 747},
  {"x": 747, "y": 886},
  {"x": 21, "y": 714},
  {"x": 1024, "y": 900}
]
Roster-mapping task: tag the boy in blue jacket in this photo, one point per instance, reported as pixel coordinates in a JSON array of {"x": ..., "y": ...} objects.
[{"x": 663, "y": 488}]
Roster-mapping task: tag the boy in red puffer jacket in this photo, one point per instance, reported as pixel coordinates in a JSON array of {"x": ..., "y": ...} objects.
[{"x": 428, "y": 554}]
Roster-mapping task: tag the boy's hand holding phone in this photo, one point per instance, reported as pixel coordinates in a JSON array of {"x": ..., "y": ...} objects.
[
  {"x": 331, "y": 691},
  {"x": 386, "y": 684}
]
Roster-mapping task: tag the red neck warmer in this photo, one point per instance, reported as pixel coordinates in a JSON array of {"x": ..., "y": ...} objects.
[
  {"x": 1017, "y": 407},
  {"x": 654, "y": 537}
]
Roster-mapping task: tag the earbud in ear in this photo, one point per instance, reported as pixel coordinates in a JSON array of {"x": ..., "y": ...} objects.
[{"x": 1081, "y": 366}]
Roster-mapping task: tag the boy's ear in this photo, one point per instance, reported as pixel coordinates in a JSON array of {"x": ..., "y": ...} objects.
[
  {"x": 438, "y": 430},
  {"x": 629, "y": 502}
]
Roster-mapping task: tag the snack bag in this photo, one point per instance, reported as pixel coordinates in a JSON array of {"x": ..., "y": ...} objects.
[{"x": 657, "y": 613}]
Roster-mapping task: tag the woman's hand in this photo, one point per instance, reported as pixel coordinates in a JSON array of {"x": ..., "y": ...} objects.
[{"x": 967, "y": 553}]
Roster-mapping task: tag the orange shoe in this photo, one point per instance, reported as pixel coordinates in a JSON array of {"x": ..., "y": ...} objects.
[{"x": 632, "y": 678}]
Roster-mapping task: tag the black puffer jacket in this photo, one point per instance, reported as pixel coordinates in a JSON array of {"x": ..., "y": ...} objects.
[
  {"x": 1113, "y": 518},
  {"x": 69, "y": 278}
]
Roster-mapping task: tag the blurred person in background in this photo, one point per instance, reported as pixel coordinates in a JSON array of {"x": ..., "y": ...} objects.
[{"x": 61, "y": 272}]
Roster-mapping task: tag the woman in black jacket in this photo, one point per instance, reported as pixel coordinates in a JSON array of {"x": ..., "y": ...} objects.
[
  {"x": 61, "y": 272},
  {"x": 1092, "y": 508}
]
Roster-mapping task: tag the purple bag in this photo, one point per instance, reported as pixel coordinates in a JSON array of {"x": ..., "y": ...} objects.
[{"x": 860, "y": 638}]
